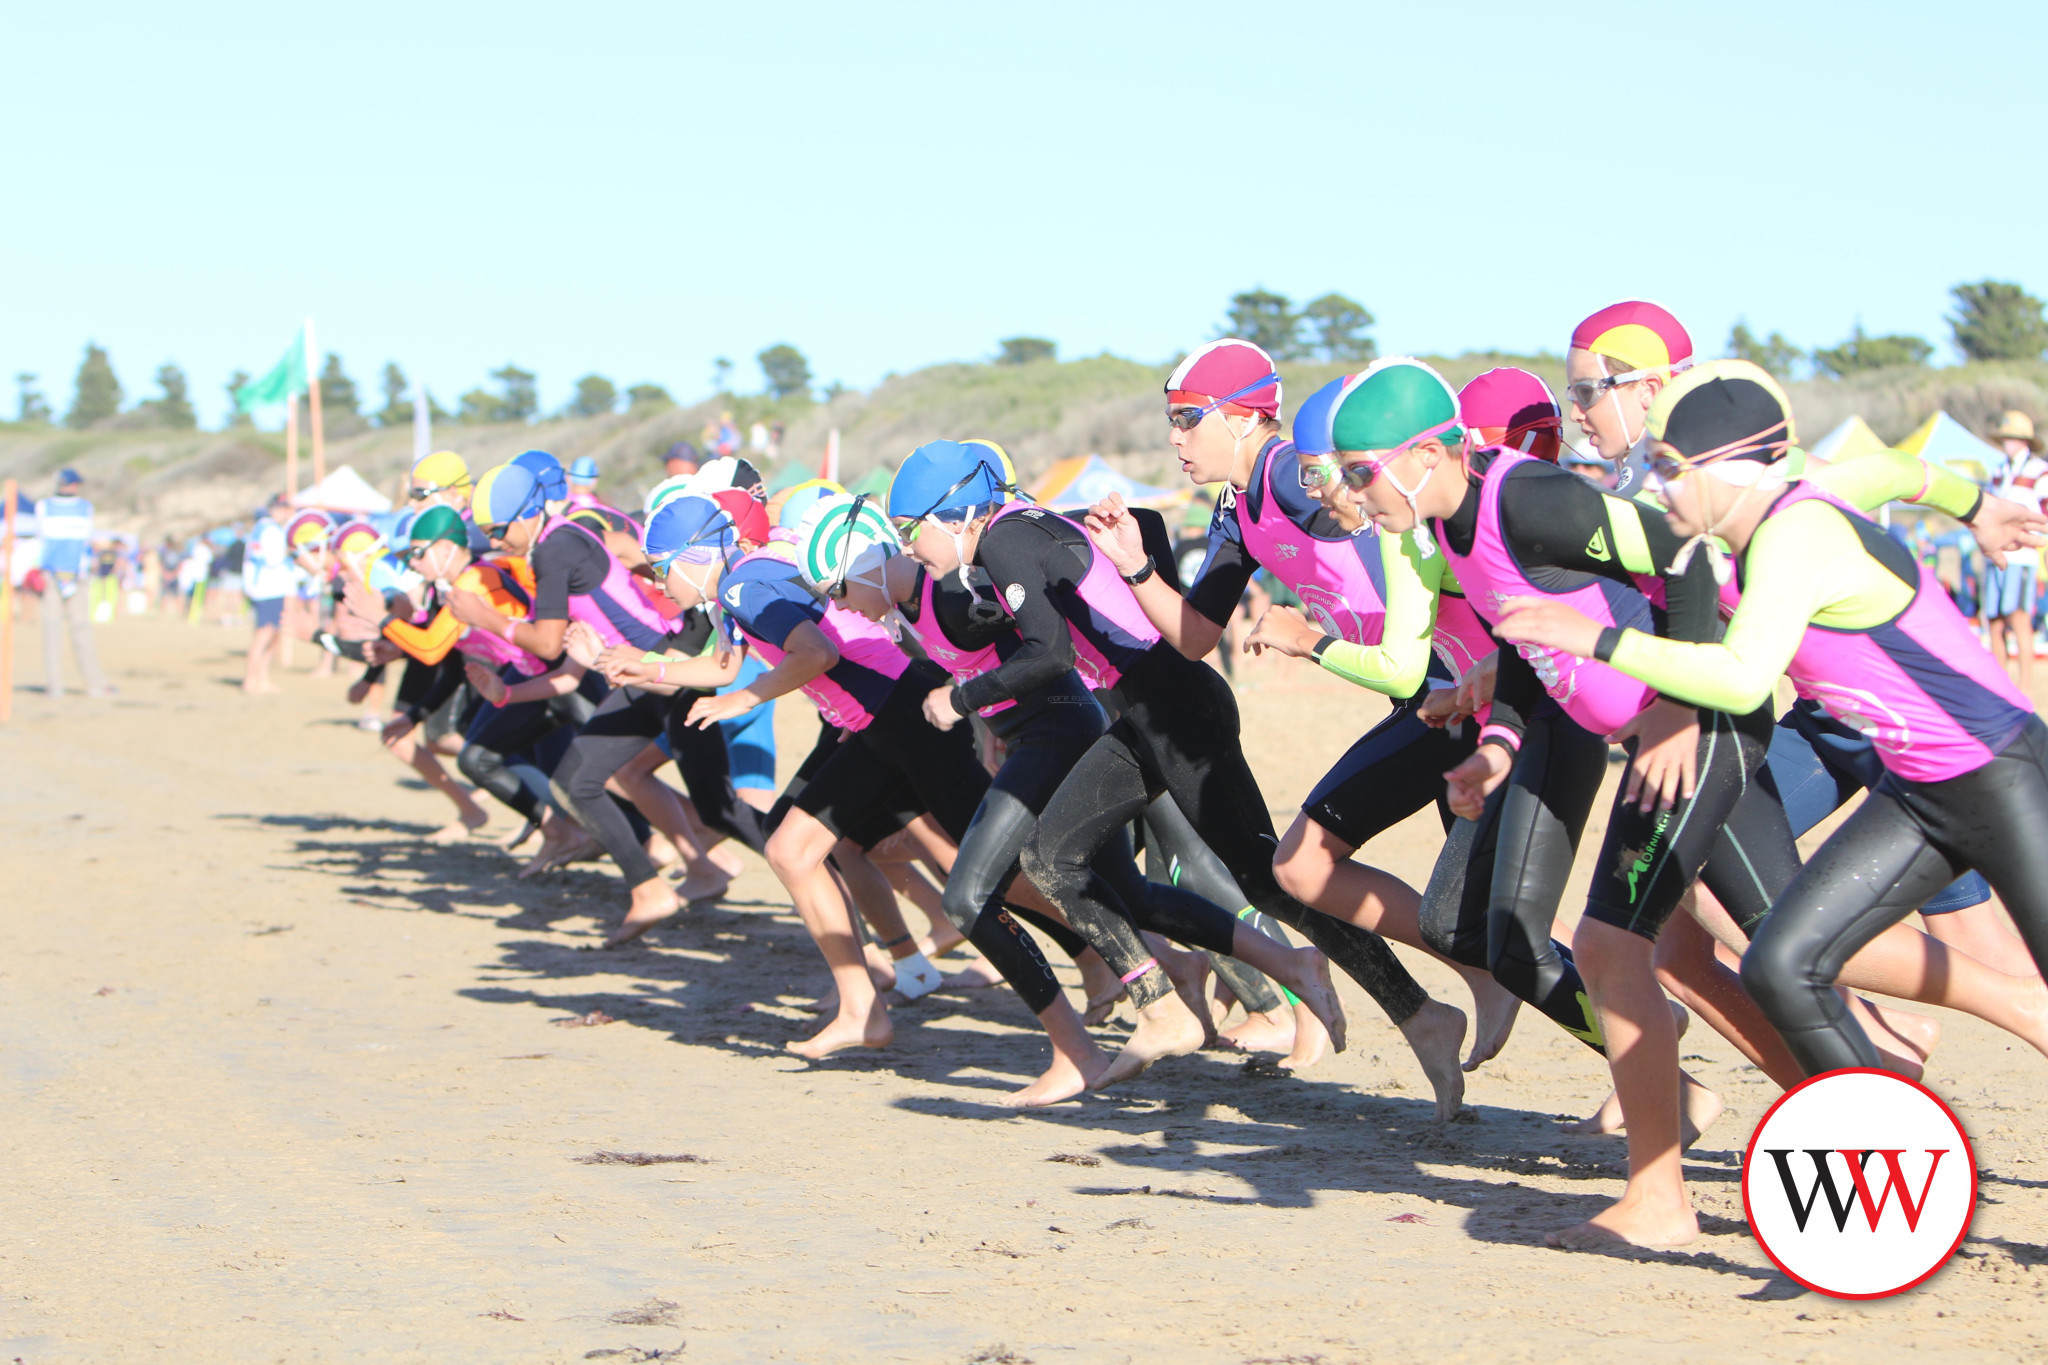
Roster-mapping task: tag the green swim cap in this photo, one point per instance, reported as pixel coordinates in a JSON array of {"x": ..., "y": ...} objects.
[
  {"x": 1396, "y": 403},
  {"x": 439, "y": 523}
]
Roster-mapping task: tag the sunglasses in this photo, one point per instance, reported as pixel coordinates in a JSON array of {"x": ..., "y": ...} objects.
[
  {"x": 1359, "y": 477},
  {"x": 1586, "y": 392}
]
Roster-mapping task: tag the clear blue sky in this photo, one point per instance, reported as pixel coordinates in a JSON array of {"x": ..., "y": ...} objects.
[{"x": 633, "y": 189}]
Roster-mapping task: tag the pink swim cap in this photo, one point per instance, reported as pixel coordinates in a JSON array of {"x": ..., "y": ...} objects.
[
  {"x": 1236, "y": 373},
  {"x": 1513, "y": 408},
  {"x": 1639, "y": 334}
]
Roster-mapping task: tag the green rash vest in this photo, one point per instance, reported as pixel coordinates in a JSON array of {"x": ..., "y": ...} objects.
[{"x": 1817, "y": 572}]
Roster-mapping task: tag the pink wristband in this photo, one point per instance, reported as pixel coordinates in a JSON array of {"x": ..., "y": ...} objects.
[
  {"x": 1501, "y": 732},
  {"x": 1143, "y": 967},
  {"x": 510, "y": 626},
  {"x": 661, "y": 672}
]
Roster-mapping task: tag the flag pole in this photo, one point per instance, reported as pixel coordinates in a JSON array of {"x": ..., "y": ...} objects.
[
  {"x": 7, "y": 606},
  {"x": 291, "y": 446},
  {"x": 313, "y": 396}
]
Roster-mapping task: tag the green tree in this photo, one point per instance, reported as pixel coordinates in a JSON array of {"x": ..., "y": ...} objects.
[
  {"x": 1776, "y": 355},
  {"x": 516, "y": 401},
  {"x": 34, "y": 409},
  {"x": 236, "y": 417},
  {"x": 174, "y": 408},
  {"x": 1338, "y": 325},
  {"x": 96, "y": 393},
  {"x": 397, "y": 409},
  {"x": 337, "y": 391},
  {"x": 1995, "y": 321},
  {"x": 640, "y": 397},
  {"x": 1864, "y": 352},
  {"x": 595, "y": 396},
  {"x": 1024, "y": 350},
  {"x": 1267, "y": 320},
  {"x": 786, "y": 370}
]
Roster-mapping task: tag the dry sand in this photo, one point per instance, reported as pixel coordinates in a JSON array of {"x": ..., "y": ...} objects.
[{"x": 285, "y": 1083}]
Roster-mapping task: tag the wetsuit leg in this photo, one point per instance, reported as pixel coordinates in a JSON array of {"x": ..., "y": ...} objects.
[
  {"x": 1176, "y": 855},
  {"x": 1498, "y": 914},
  {"x": 1392, "y": 771},
  {"x": 1901, "y": 846},
  {"x": 900, "y": 750},
  {"x": 1648, "y": 861},
  {"x": 1186, "y": 721},
  {"x": 498, "y": 732},
  {"x": 705, "y": 764},
  {"x": 626, "y": 723}
]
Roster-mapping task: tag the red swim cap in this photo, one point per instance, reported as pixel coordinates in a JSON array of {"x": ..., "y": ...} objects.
[
  {"x": 1513, "y": 408},
  {"x": 749, "y": 515},
  {"x": 1234, "y": 372},
  {"x": 1641, "y": 335}
]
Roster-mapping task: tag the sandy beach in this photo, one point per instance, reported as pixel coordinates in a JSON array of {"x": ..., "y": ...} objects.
[{"x": 284, "y": 1082}]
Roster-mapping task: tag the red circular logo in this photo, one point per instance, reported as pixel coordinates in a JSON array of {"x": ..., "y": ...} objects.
[{"x": 1859, "y": 1184}]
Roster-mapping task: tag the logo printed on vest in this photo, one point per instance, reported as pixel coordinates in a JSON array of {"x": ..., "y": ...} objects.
[
  {"x": 1014, "y": 594},
  {"x": 1287, "y": 551},
  {"x": 1821, "y": 1173},
  {"x": 1596, "y": 548}
]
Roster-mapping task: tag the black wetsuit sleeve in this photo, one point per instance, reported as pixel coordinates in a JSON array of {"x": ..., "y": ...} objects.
[
  {"x": 1557, "y": 520},
  {"x": 566, "y": 563},
  {"x": 1226, "y": 572},
  {"x": 1026, "y": 565},
  {"x": 446, "y": 680},
  {"x": 1517, "y": 692},
  {"x": 1158, "y": 544}
]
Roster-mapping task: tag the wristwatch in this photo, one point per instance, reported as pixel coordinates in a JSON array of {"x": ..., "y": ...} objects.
[
  {"x": 1322, "y": 645},
  {"x": 1142, "y": 574}
]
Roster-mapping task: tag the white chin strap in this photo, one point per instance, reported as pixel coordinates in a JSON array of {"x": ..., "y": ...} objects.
[
  {"x": 1751, "y": 477},
  {"x": 959, "y": 539},
  {"x": 1424, "y": 541},
  {"x": 1621, "y": 415}
]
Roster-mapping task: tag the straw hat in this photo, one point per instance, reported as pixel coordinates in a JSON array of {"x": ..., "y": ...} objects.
[{"x": 2017, "y": 426}]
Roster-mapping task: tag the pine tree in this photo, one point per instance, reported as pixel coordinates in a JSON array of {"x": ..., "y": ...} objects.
[
  {"x": 174, "y": 408},
  {"x": 96, "y": 393},
  {"x": 236, "y": 417},
  {"x": 1339, "y": 325},
  {"x": 1995, "y": 321},
  {"x": 35, "y": 409},
  {"x": 787, "y": 372},
  {"x": 397, "y": 409},
  {"x": 595, "y": 396},
  {"x": 337, "y": 390}
]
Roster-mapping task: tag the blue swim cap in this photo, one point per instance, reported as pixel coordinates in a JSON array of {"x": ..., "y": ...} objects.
[
  {"x": 692, "y": 528},
  {"x": 946, "y": 479},
  {"x": 507, "y": 494},
  {"x": 1314, "y": 419},
  {"x": 585, "y": 469},
  {"x": 547, "y": 472}
]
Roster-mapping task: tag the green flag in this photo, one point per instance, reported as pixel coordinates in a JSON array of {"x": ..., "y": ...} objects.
[{"x": 285, "y": 380}]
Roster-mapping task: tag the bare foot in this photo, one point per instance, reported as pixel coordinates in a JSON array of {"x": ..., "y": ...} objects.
[
  {"x": 1436, "y": 1032},
  {"x": 1064, "y": 1079},
  {"x": 562, "y": 840},
  {"x": 842, "y": 1033},
  {"x": 1311, "y": 1040},
  {"x": 978, "y": 974},
  {"x": 1189, "y": 973},
  {"x": 881, "y": 970},
  {"x": 1272, "y": 1032},
  {"x": 1100, "y": 1007},
  {"x": 653, "y": 902},
  {"x": 1623, "y": 1223},
  {"x": 469, "y": 822},
  {"x": 707, "y": 882},
  {"x": 1494, "y": 1010},
  {"x": 1905, "y": 1040},
  {"x": 525, "y": 832},
  {"x": 1310, "y": 982},
  {"x": 1700, "y": 1107},
  {"x": 724, "y": 857},
  {"x": 1166, "y": 1028},
  {"x": 1098, "y": 982}
]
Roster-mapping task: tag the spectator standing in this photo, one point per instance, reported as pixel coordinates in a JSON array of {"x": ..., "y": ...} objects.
[
  {"x": 266, "y": 579},
  {"x": 64, "y": 523},
  {"x": 194, "y": 570},
  {"x": 681, "y": 459},
  {"x": 2009, "y": 592}
]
